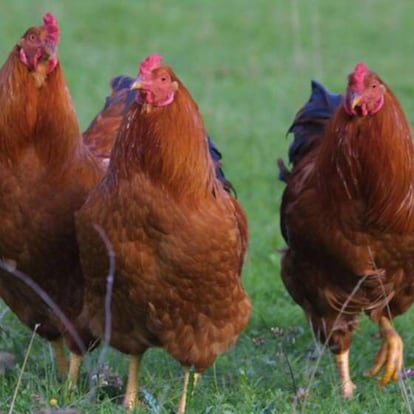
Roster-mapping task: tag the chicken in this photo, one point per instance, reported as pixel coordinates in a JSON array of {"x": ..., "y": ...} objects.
[
  {"x": 45, "y": 174},
  {"x": 347, "y": 214},
  {"x": 178, "y": 236}
]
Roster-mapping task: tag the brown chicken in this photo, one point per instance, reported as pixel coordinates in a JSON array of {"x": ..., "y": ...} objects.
[
  {"x": 45, "y": 174},
  {"x": 179, "y": 237},
  {"x": 348, "y": 218}
]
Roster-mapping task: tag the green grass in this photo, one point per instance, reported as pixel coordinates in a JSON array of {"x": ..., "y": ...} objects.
[{"x": 248, "y": 64}]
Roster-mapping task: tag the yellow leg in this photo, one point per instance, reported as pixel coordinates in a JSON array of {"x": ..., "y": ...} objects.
[
  {"x": 75, "y": 363},
  {"x": 183, "y": 400},
  {"x": 196, "y": 379},
  {"x": 131, "y": 393},
  {"x": 60, "y": 357},
  {"x": 342, "y": 363},
  {"x": 390, "y": 355}
]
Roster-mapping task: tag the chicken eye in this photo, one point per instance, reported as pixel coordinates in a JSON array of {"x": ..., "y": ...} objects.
[
  {"x": 164, "y": 76},
  {"x": 31, "y": 37}
]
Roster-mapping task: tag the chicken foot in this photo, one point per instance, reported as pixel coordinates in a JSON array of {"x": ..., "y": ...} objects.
[
  {"x": 342, "y": 364},
  {"x": 391, "y": 354}
]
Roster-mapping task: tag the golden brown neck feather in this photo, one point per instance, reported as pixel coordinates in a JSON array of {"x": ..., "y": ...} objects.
[
  {"x": 19, "y": 100},
  {"x": 169, "y": 145},
  {"x": 371, "y": 160},
  {"x": 38, "y": 115},
  {"x": 58, "y": 133}
]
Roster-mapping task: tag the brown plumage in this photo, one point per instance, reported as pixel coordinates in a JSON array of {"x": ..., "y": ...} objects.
[
  {"x": 178, "y": 236},
  {"x": 102, "y": 131},
  {"x": 45, "y": 174},
  {"x": 348, "y": 217}
]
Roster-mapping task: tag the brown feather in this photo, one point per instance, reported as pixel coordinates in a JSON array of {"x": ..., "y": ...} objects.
[
  {"x": 379, "y": 149},
  {"x": 184, "y": 164},
  {"x": 100, "y": 135}
]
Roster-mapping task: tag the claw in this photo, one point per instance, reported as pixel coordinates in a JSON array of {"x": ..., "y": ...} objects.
[{"x": 390, "y": 356}]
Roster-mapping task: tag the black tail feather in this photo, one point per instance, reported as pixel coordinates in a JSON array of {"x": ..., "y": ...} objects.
[{"x": 309, "y": 124}]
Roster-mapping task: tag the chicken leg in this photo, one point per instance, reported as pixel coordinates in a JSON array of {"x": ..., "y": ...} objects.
[
  {"x": 390, "y": 356},
  {"x": 183, "y": 400},
  {"x": 342, "y": 363},
  {"x": 196, "y": 379},
  {"x": 75, "y": 363},
  {"x": 58, "y": 346},
  {"x": 131, "y": 393}
]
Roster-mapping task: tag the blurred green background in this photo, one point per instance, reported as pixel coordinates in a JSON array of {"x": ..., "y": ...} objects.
[{"x": 249, "y": 65}]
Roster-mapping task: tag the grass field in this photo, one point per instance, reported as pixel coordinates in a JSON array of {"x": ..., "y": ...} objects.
[{"x": 249, "y": 65}]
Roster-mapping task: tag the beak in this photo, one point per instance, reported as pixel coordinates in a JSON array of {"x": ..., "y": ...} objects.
[
  {"x": 355, "y": 100},
  {"x": 49, "y": 48},
  {"x": 137, "y": 84}
]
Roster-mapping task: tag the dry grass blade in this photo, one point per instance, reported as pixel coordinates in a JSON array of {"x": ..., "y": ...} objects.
[
  {"x": 47, "y": 299},
  {"x": 94, "y": 379},
  {"x": 403, "y": 388},
  {"x": 109, "y": 281},
  {"x": 325, "y": 345},
  {"x": 67, "y": 411},
  {"x": 342, "y": 310},
  {"x": 19, "y": 380}
]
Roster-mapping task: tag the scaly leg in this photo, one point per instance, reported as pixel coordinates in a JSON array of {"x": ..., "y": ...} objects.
[
  {"x": 390, "y": 355},
  {"x": 196, "y": 378},
  {"x": 342, "y": 363},
  {"x": 58, "y": 346},
  {"x": 183, "y": 401},
  {"x": 75, "y": 363},
  {"x": 131, "y": 393}
]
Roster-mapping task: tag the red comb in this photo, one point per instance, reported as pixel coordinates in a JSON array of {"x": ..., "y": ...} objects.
[
  {"x": 52, "y": 27},
  {"x": 358, "y": 75},
  {"x": 149, "y": 64}
]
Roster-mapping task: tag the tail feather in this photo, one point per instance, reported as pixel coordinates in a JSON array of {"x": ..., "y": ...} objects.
[
  {"x": 102, "y": 131},
  {"x": 121, "y": 82},
  {"x": 216, "y": 157},
  {"x": 283, "y": 170},
  {"x": 121, "y": 90},
  {"x": 309, "y": 124}
]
